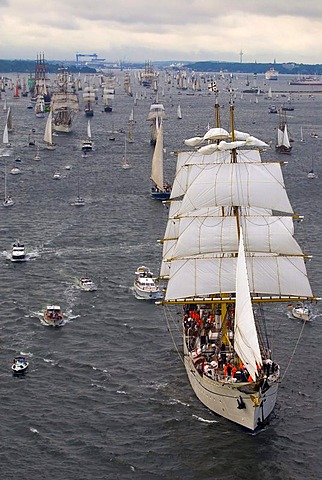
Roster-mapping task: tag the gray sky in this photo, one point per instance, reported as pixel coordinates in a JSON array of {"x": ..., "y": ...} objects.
[{"x": 141, "y": 30}]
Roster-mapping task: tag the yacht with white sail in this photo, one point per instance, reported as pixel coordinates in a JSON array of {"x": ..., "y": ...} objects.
[
  {"x": 226, "y": 254},
  {"x": 160, "y": 190},
  {"x": 87, "y": 142},
  {"x": 8, "y": 200},
  {"x": 48, "y": 135}
]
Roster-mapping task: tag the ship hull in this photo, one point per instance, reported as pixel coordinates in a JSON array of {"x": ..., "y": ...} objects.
[
  {"x": 226, "y": 400},
  {"x": 62, "y": 128}
]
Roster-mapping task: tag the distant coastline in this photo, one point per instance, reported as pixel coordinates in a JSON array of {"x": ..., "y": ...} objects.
[{"x": 291, "y": 68}]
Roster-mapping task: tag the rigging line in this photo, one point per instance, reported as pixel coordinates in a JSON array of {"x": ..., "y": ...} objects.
[
  {"x": 293, "y": 353},
  {"x": 170, "y": 331}
]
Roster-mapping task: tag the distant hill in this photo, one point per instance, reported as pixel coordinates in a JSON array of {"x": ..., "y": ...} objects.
[
  {"x": 28, "y": 66},
  {"x": 237, "y": 67}
]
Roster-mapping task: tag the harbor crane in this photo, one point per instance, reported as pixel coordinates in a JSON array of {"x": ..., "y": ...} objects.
[{"x": 92, "y": 55}]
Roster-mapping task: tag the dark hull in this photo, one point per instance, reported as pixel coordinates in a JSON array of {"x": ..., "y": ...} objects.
[{"x": 160, "y": 195}]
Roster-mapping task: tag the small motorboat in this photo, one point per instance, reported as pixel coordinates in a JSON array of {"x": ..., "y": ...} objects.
[
  {"x": 8, "y": 201},
  {"x": 272, "y": 109},
  {"x": 57, "y": 175},
  {"x": 15, "y": 171},
  {"x": 18, "y": 252},
  {"x": 79, "y": 202},
  {"x": 87, "y": 145},
  {"x": 145, "y": 286},
  {"x": 87, "y": 284},
  {"x": 302, "y": 312},
  {"x": 53, "y": 316},
  {"x": 19, "y": 365},
  {"x": 311, "y": 174}
]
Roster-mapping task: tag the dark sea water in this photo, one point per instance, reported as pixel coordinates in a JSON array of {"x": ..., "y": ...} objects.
[{"x": 107, "y": 395}]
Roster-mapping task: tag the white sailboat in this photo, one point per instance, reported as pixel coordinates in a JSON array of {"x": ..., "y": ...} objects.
[
  {"x": 179, "y": 114},
  {"x": 125, "y": 162},
  {"x": 302, "y": 136},
  {"x": 5, "y": 137},
  {"x": 225, "y": 255},
  {"x": 48, "y": 135},
  {"x": 87, "y": 143},
  {"x": 160, "y": 191},
  {"x": 79, "y": 202},
  {"x": 37, "y": 155},
  {"x": 9, "y": 120},
  {"x": 7, "y": 201},
  {"x": 131, "y": 122}
]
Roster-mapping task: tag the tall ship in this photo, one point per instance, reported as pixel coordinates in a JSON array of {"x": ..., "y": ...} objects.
[
  {"x": 147, "y": 76},
  {"x": 64, "y": 102},
  {"x": 283, "y": 144},
  {"x": 40, "y": 88},
  {"x": 308, "y": 80},
  {"x": 228, "y": 250},
  {"x": 156, "y": 116},
  {"x": 89, "y": 100}
]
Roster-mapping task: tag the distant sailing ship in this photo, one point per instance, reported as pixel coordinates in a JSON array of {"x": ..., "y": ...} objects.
[
  {"x": 89, "y": 100},
  {"x": 64, "y": 102},
  {"x": 156, "y": 115},
  {"x": 283, "y": 142}
]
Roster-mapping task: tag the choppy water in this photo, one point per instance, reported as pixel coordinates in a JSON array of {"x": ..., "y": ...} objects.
[{"x": 106, "y": 396}]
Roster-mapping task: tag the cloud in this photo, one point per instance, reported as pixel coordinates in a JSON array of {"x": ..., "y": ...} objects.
[{"x": 182, "y": 29}]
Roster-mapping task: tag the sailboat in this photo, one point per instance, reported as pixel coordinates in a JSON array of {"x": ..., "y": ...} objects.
[
  {"x": 311, "y": 173},
  {"x": 79, "y": 202},
  {"x": 37, "y": 155},
  {"x": 7, "y": 201},
  {"x": 226, "y": 255},
  {"x": 5, "y": 137},
  {"x": 283, "y": 143},
  {"x": 159, "y": 190},
  {"x": 125, "y": 162},
  {"x": 9, "y": 120},
  {"x": 179, "y": 114},
  {"x": 302, "y": 136},
  {"x": 48, "y": 135},
  {"x": 87, "y": 143},
  {"x": 131, "y": 122}
]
